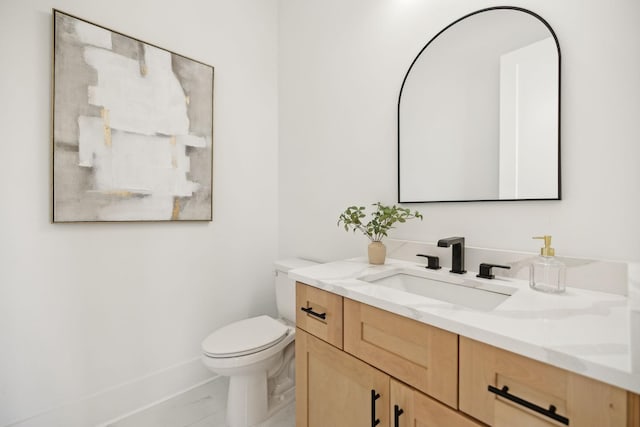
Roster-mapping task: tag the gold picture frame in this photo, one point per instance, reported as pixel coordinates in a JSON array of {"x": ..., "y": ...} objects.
[{"x": 132, "y": 136}]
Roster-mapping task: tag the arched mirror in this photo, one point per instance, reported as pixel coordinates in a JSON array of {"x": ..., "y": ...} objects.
[{"x": 479, "y": 112}]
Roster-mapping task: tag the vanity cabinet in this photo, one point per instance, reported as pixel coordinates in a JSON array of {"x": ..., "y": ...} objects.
[
  {"x": 503, "y": 389},
  {"x": 406, "y": 373}
]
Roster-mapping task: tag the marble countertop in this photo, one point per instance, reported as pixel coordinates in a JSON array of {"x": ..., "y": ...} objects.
[{"x": 590, "y": 333}]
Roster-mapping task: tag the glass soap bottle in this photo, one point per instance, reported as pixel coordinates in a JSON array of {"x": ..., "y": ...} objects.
[{"x": 546, "y": 273}]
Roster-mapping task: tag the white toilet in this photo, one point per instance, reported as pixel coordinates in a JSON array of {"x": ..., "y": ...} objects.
[{"x": 257, "y": 356}]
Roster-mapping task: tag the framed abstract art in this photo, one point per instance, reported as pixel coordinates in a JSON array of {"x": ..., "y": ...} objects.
[{"x": 132, "y": 128}]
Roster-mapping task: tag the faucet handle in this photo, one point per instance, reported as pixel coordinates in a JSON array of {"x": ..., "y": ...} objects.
[
  {"x": 433, "y": 262},
  {"x": 485, "y": 270}
]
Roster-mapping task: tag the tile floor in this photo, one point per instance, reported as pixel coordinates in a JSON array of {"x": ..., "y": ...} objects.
[{"x": 203, "y": 406}]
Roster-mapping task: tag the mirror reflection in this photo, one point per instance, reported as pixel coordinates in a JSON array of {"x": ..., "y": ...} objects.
[{"x": 478, "y": 113}]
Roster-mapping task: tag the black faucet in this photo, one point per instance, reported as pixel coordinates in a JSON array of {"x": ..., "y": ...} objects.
[{"x": 457, "y": 260}]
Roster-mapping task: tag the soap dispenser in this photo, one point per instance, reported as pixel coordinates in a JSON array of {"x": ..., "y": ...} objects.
[{"x": 547, "y": 273}]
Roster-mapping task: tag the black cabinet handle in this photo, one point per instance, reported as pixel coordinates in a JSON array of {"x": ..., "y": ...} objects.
[
  {"x": 309, "y": 310},
  {"x": 397, "y": 411},
  {"x": 551, "y": 412},
  {"x": 374, "y": 396}
]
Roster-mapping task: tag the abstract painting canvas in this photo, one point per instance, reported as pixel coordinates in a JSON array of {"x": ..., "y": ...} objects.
[{"x": 132, "y": 128}]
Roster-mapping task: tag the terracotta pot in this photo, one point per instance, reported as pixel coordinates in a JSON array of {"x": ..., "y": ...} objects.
[{"x": 377, "y": 253}]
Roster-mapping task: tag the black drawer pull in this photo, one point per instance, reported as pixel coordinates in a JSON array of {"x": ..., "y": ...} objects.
[
  {"x": 397, "y": 411},
  {"x": 374, "y": 396},
  {"x": 309, "y": 310},
  {"x": 551, "y": 412}
]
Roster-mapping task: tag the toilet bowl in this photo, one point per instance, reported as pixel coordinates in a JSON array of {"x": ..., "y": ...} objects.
[{"x": 257, "y": 354}]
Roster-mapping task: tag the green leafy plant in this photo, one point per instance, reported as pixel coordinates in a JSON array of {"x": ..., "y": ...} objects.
[{"x": 381, "y": 221}]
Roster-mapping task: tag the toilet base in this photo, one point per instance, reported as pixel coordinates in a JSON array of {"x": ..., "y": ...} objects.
[
  {"x": 247, "y": 403},
  {"x": 255, "y": 397}
]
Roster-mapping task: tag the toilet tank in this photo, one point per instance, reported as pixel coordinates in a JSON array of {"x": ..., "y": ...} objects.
[{"x": 286, "y": 288}]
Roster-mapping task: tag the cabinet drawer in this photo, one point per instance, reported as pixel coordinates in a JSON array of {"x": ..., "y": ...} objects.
[
  {"x": 531, "y": 385},
  {"x": 322, "y": 314},
  {"x": 415, "y": 353}
]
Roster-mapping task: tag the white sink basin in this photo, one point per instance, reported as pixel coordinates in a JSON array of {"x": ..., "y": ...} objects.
[{"x": 468, "y": 293}]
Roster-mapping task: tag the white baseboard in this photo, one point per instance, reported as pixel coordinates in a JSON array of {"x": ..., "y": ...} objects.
[{"x": 117, "y": 402}]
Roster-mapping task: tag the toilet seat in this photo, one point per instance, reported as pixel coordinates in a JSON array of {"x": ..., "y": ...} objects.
[{"x": 244, "y": 337}]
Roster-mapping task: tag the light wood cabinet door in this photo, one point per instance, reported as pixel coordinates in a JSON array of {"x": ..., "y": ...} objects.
[
  {"x": 410, "y": 408},
  {"x": 335, "y": 389},
  {"x": 633, "y": 410},
  {"x": 420, "y": 355},
  {"x": 503, "y": 389},
  {"x": 319, "y": 313}
]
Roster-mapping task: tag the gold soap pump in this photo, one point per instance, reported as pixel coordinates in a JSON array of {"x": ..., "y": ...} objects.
[
  {"x": 547, "y": 250},
  {"x": 546, "y": 272}
]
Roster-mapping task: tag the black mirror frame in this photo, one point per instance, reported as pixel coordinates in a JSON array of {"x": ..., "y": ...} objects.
[{"x": 535, "y": 15}]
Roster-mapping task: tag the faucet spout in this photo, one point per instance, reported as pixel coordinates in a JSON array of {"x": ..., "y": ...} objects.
[{"x": 457, "y": 248}]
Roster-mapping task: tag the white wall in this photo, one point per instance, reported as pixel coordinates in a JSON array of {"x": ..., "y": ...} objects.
[
  {"x": 341, "y": 65},
  {"x": 98, "y": 319}
]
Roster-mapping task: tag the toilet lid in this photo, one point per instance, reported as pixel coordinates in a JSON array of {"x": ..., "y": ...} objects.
[{"x": 244, "y": 337}]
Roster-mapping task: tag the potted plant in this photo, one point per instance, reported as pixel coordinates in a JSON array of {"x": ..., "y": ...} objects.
[{"x": 376, "y": 228}]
